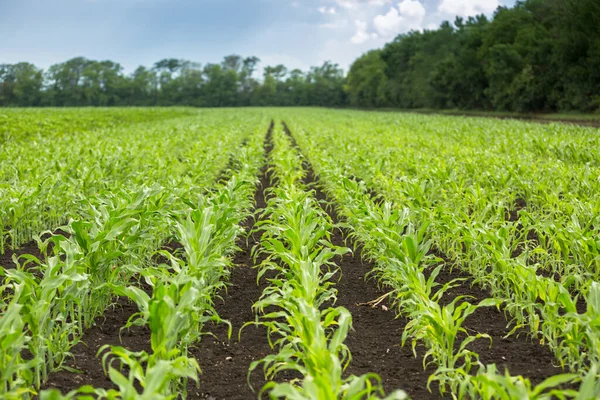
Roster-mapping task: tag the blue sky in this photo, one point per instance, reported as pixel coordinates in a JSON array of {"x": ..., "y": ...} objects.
[{"x": 297, "y": 33}]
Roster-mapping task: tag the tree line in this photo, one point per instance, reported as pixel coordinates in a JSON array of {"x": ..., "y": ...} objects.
[
  {"x": 83, "y": 82},
  {"x": 537, "y": 56}
]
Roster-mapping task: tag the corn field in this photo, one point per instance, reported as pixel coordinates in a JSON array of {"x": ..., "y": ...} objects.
[{"x": 297, "y": 253}]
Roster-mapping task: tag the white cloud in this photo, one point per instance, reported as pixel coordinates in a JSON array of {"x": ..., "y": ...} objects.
[
  {"x": 334, "y": 25},
  {"x": 326, "y": 10},
  {"x": 412, "y": 9},
  {"x": 468, "y": 7},
  {"x": 362, "y": 35},
  {"x": 378, "y": 2},
  {"x": 346, "y": 3},
  {"x": 353, "y": 4},
  {"x": 409, "y": 15},
  {"x": 389, "y": 23}
]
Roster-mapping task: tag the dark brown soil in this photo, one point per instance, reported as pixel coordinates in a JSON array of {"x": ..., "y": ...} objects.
[
  {"x": 6, "y": 259},
  {"x": 512, "y": 215},
  {"x": 31, "y": 247},
  {"x": 105, "y": 332},
  {"x": 225, "y": 362},
  {"x": 375, "y": 341},
  {"x": 517, "y": 353}
]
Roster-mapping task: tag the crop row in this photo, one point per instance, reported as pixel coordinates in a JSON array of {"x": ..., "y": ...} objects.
[
  {"x": 108, "y": 252},
  {"x": 513, "y": 205},
  {"x": 48, "y": 181},
  {"x": 17, "y": 124},
  {"x": 298, "y": 307},
  {"x": 399, "y": 238},
  {"x": 471, "y": 224}
]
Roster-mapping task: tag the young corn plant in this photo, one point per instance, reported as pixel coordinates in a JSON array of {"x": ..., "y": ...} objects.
[
  {"x": 50, "y": 309},
  {"x": 182, "y": 295},
  {"x": 334, "y": 171},
  {"x": 152, "y": 374},
  {"x": 488, "y": 384},
  {"x": 15, "y": 372},
  {"x": 401, "y": 254},
  {"x": 297, "y": 306},
  {"x": 61, "y": 294}
]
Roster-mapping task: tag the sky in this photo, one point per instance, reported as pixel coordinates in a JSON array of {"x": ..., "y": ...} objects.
[{"x": 296, "y": 33}]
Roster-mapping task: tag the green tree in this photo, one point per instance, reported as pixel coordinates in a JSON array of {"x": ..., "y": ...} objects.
[
  {"x": 142, "y": 88},
  {"x": 20, "y": 85},
  {"x": 248, "y": 84},
  {"x": 296, "y": 88},
  {"x": 64, "y": 82},
  {"x": 459, "y": 79},
  {"x": 103, "y": 83},
  {"x": 367, "y": 83},
  {"x": 326, "y": 85},
  {"x": 220, "y": 86}
]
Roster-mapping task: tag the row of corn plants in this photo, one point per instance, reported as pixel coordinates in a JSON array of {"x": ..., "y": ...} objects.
[
  {"x": 491, "y": 172},
  {"x": 469, "y": 224},
  {"x": 182, "y": 291},
  {"x": 399, "y": 244},
  {"x": 305, "y": 328},
  {"x": 51, "y": 300},
  {"x": 32, "y": 123},
  {"x": 469, "y": 194},
  {"x": 45, "y": 182}
]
